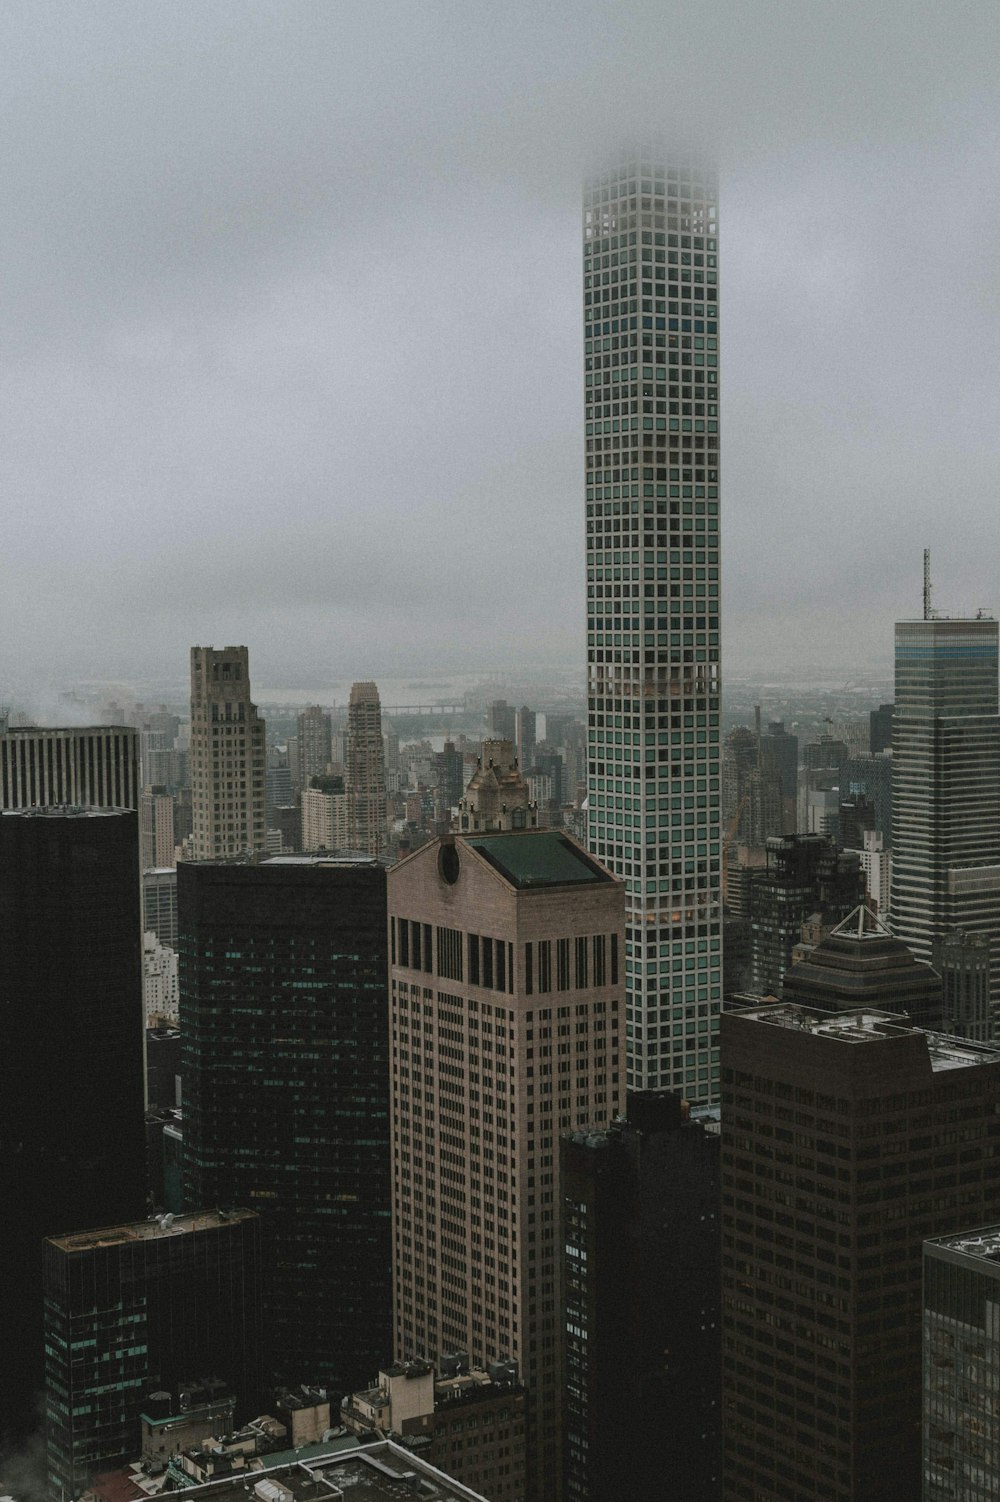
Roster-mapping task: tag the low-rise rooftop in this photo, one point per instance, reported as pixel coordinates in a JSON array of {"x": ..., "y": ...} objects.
[
  {"x": 380, "y": 1472},
  {"x": 866, "y": 1025},
  {"x": 983, "y": 1243},
  {"x": 149, "y": 1230}
]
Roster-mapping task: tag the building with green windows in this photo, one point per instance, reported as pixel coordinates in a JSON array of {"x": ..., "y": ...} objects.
[
  {"x": 132, "y": 1309},
  {"x": 285, "y": 1070},
  {"x": 651, "y": 340}
]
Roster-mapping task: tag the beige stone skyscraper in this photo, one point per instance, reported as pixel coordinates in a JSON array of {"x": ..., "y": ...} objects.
[
  {"x": 227, "y": 756},
  {"x": 506, "y": 999},
  {"x": 366, "y": 770}
]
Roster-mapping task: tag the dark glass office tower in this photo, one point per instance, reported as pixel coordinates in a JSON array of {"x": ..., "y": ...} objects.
[
  {"x": 72, "y": 1141},
  {"x": 284, "y": 1018},
  {"x": 805, "y": 875},
  {"x": 138, "y": 1308},
  {"x": 946, "y": 786},
  {"x": 848, "y": 1138},
  {"x": 640, "y": 1304}
]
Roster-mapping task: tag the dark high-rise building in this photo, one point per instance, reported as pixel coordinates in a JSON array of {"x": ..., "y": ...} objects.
[
  {"x": 859, "y": 963},
  {"x": 93, "y": 767},
  {"x": 650, "y": 277},
  {"x": 551, "y": 765},
  {"x": 870, "y": 777},
  {"x": 449, "y": 765},
  {"x": 961, "y": 1364},
  {"x": 804, "y": 875},
  {"x": 501, "y": 721},
  {"x": 963, "y": 962},
  {"x": 286, "y": 1093},
  {"x": 847, "y": 1139},
  {"x": 130, "y": 1309},
  {"x": 640, "y": 1281},
  {"x": 946, "y": 785},
  {"x": 880, "y": 729},
  {"x": 525, "y": 735},
  {"x": 72, "y": 1141},
  {"x": 779, "y": 753}
]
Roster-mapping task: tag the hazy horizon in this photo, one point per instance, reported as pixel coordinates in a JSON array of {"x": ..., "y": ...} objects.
[{"x": 294, "y": 336}]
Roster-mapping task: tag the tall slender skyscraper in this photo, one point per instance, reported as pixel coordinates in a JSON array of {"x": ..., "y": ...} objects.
[
  {"x": 946, "y": 785},
  {"x": 650, "y": 258},
  {"x": 366, "y": 770},
  {"x": 227, "y": 756}
]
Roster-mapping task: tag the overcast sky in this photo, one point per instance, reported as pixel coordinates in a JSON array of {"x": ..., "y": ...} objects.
[{"x": 292, "y": 330}]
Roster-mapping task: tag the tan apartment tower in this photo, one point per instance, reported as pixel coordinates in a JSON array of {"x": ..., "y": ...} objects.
[
  {"x": 227, "y": 756},
  {"x": 366, "y": 770},
  {"x": 506, "y": 999}
]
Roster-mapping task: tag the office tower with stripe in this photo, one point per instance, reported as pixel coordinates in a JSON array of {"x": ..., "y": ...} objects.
[
  {"x": 651, "y": 339},
  {"x": 92, "y": 766},
  {"x": 946, "y": 786}
]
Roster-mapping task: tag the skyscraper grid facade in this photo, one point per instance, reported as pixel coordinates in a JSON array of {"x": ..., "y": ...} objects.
[{"x": 650, "y": 272}]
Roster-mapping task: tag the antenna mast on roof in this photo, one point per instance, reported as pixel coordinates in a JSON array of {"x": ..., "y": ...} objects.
[{"x": 928, "y": 612}]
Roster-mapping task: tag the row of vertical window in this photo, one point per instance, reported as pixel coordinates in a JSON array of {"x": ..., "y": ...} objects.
[
  {"x": 486, "y": 962},
  {"x": 589, "y": 957},
  {"x": 559, "y": 964}
]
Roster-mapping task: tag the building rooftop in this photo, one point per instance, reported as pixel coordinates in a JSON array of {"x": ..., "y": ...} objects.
[
  {"x": 158, "y": 1227},
  {"x": 64, "y": 811},
  {"x": 68, "y": 729},
  {"x": 380, "y": 1472},
  {"x": 983, "y": 1243},
  {"x": 538, "y": 858},
  {"x": 860, "y": 964},
  {"x": 323, "y": 858},
  {"x": 866, "y": 1025}
]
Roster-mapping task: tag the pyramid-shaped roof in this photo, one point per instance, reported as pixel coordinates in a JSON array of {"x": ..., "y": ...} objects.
[{"x": 861, "y": 963}]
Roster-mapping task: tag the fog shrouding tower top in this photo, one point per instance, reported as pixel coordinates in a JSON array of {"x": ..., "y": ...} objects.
[
  {"x": 650, "y": 258},
  {"x": 366, "y": 770},
  {"x": 227, "y": 756}
]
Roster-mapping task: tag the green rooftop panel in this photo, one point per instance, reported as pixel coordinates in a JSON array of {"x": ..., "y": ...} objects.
[{"x": 545, "y": 858}]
